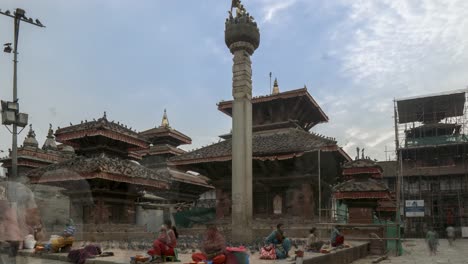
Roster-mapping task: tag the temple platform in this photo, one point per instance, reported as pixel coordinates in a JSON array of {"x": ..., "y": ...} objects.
[
  {"x": 92, "y": 232},
  {"x": 341, "y": 256}
]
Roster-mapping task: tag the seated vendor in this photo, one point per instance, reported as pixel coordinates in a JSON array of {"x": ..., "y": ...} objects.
[
  {"x": 64, "y": 241},
  {"x": 166, "y": 242},
  {"x": 313, "y": 242},
  {"x": 281, "y": 243},
  {"x": 212, "y": 248},
  {"x": 336, "y": 238}
]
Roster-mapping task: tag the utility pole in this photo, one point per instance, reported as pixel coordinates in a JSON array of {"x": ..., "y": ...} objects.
[
  {"x": 319, "y": 187},
  {"x": 270, "y": 83},
  {"x": 10, "y": 110},
  {"x": 399, "y": 170}
]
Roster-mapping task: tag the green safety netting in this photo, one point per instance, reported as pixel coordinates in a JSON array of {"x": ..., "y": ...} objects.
[
  {"x": 186, "y": 219},
  {"x": 439, "y": 140},
  {"x": 392, "y": 231}
]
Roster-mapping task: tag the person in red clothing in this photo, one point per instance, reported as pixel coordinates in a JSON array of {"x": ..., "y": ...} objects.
[
  {"x": 166, "y": 242},
  {"x": 212, "y": 248}
]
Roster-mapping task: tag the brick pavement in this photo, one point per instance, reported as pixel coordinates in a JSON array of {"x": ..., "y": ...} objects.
[{"x": 415, "y": 251}]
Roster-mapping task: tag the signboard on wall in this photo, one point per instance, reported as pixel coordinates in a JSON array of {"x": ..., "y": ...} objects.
[
  {"x": 464, "y": 231},
  {"x": 414, "y": 208}
]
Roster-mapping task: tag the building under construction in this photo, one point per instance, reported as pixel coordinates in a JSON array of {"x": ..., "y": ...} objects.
[{"x": 431, "y": 169}]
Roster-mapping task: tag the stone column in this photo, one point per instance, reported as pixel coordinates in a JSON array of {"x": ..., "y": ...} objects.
[
  {"x": 242, "y": 144},
  {"x": 242, "y": 37}
]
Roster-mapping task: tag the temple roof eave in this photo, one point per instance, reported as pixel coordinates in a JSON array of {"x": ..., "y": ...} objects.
[
  {"x": 278, "y": 156},
  {"x": 281, "y": 144},
  {"x": 226, "y": 106},
  {"x": 68, "y": 138},
  {"x": 165, "y": 132},
  {"x": 99, "y": 167}
]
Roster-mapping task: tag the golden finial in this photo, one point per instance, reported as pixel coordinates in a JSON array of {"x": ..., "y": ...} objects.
[
  {"x": 275, "y": 87},
  {"x": 165, "y": 121}
]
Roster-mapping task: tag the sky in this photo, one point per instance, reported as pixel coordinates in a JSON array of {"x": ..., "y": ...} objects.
[{"x": 133, "y": 59}]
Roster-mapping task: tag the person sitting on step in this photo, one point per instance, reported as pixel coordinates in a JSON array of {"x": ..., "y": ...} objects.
[
  {"x": 280, "y": 241},
  {"x": 336, "y": 238},
  {"x": 166, "y": 242},
  {"x": 212, "y": 248},
  {"x": 313, "y": 242}
]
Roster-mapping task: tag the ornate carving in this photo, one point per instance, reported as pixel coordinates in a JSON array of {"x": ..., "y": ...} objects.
[{"x": 242, "y": 27}]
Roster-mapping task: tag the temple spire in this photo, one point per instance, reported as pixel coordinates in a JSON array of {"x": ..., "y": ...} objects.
[
  {"x": 31, "y": 132},
  {"x": 276, "y": 87},
  {"x": 50, "y": 144},
  {"x": 30, "y": 139},
  {"x": 50, "y": 133},
  {"x": 165, "y": 120}
]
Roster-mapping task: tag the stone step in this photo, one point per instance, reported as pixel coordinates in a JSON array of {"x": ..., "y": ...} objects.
[
  {"x": 105, "y": 228},
  {"x": 105, "y": 236}
]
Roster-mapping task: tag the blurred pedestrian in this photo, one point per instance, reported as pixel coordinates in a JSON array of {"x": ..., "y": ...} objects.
[
  {"x": 450, "y": 234},
  {"x": 432, "y": 240}
]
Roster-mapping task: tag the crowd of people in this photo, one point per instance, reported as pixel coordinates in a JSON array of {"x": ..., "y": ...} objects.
[{"x": 213, "y": 248}]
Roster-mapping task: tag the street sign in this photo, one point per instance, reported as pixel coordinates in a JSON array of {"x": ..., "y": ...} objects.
[{"x": 414, "y": 208}]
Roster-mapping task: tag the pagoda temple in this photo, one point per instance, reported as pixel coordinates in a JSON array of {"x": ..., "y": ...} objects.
[
  {"x": 365, "y": 207},
  {"x": 107, "y": 170},
  {"x": 31, "y": 156},
  {"x": 363, "y": 196},
  {"x": 286, "y": 157}
]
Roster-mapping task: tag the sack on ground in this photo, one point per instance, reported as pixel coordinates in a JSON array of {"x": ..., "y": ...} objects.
[{"x": 268, "y": 252}]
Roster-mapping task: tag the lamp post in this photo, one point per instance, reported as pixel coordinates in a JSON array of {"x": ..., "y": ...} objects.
[{"x": 10, "y": 110}]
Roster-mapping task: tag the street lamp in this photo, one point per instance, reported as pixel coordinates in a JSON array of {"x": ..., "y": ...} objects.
[{"x": 10, "y": 110}]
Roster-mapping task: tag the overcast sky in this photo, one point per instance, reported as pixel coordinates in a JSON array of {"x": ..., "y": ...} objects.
[{"x": 135, "y": 58}]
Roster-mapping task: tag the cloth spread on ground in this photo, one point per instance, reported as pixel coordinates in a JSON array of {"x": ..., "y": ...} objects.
[{"x": 79, "y": 256}]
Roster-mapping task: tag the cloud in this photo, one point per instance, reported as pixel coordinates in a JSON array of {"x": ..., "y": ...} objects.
[
  {"x": 272, "y": 7},
  {"x": 216, "y": 49},
  {"x": 388, "y": 49},
  {"x": 383, "y": 137},
  {"x": 401, "y": 41}
]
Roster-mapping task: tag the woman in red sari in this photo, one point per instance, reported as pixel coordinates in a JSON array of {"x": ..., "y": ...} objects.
[
  {"x": 212, "y": 248},
  {"x": 166, "y": 242}
]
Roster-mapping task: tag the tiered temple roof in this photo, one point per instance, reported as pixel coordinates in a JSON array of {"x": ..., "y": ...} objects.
[
  {"x": 164, "y": 144},
  {"x": 164, "y": 139},
  {"x": 102, "y": 136},
  {"x": 281, "y": 122},
  {"x": 106, "y": 151},
  {"x": 363, "y": 181},
  {"x": 364, "y": 167},
  {"x": 297, "y": 106}
]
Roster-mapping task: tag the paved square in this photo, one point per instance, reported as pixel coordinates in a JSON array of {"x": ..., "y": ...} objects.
[{"x": 416, "y": 251}]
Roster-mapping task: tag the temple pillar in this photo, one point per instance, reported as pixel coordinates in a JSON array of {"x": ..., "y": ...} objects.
[
  {"x": 308, "y": 209},
  {"x": 220, "y": 204}
]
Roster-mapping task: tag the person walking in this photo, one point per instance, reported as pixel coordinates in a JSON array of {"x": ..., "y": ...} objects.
[
  {"x": 19, "y": 217},
  {"x": 432, "y": 240},
  {"x": 450, "y": 234}
]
